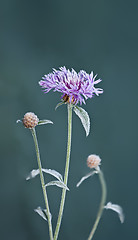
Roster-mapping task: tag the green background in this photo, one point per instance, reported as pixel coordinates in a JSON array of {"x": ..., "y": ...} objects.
[{"x": 36, "y": 36}]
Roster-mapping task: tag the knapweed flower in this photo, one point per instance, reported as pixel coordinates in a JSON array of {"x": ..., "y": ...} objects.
[
  {"x": 76, "y": 87},
  {"x": 30, "y": 120},
  {"x": 93, "y": 161}
]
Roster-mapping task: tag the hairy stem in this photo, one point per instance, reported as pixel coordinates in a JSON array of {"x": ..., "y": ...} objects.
[
  {"x": 66, "y": 172},
  {"x": 42, "y": 183},
  {"x": 102, "y": 204}
]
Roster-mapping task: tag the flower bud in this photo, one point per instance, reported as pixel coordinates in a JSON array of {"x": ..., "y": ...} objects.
[
  {"x": 93, "y": 161},
  {"x": 30, "y": 120}
]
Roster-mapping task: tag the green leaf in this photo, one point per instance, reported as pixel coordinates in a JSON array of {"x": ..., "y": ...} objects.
[
  {"x": 41, "y": 212},
  {"x": 52, "y": 172},
  {"x": 44, "y": 122},
  {"x": 116, "y": 208},
  {"x": 58, "y": 184},
  {"x": 19, "y": 121},
  {"x": 33, "y": 174},
  {"x": 84, "y": 117},
  {"x": 59, "y": 104},
  {"x": 85, "y": 177}
]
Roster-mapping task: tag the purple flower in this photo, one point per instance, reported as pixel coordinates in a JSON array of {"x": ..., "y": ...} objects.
[{"x": 75, "y": 86}]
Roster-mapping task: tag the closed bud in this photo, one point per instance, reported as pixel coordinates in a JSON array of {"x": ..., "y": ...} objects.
[
  {"x": 93, "y": 161},
  {"x": 30, "y": 120}
]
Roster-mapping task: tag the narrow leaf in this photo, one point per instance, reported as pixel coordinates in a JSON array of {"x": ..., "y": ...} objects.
[
  {"x": 33, "y": 174},
  {"x": 117, "y": 209},
  {"x": 58, "y": 105},
  {"x": 84, "y": 117},
  {"x": 58, "y": 184},
  {"x": 53, "y": 173},
  {"x": 41, "y": 212},
  {"x": 44, "y": 122},
  {"x": 85, "y": 177},
  {"x": 18, "y": 121}
]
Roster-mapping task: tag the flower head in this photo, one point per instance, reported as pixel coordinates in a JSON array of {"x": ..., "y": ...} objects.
[
  {"x": 30, "y": 120},
  {"x": 75, "y": 86},
  {"x": 93, "y": 161}
]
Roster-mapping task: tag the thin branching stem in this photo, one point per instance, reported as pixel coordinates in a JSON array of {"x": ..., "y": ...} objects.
[
  {"x": 102, "y": 204},
  {"x": 66, "y": 172},
  {"x": 43, "y": 183}
]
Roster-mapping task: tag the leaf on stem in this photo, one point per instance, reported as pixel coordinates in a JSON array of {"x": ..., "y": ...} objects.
[
  {"x": 58, "y": 184},
  {"x": 54, "y": 173},
  {"x": 117, "y": 209},
  {"x": 44, "y": 122},
  {"x": 19, "y": 121},
  {"x": 85, "y": 177},
  {"x": 59, "y": 104},
  {"x": 84, "y": 117},
  {"x": 41, "y": 212},
  {"x": 33, "y": 174}
]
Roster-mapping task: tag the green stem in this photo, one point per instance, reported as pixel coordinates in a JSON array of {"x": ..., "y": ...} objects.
[
  {"x": 66, "y": 172},
  {"x": 102, "y": 204},
  {"x": 42, "y": 183}
]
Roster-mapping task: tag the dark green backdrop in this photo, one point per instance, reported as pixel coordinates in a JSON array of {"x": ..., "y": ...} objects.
[{"x": 36, "y": 36}]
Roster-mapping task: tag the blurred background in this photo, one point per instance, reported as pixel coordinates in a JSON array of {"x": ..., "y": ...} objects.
[{"x": 37, "y": 36}]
